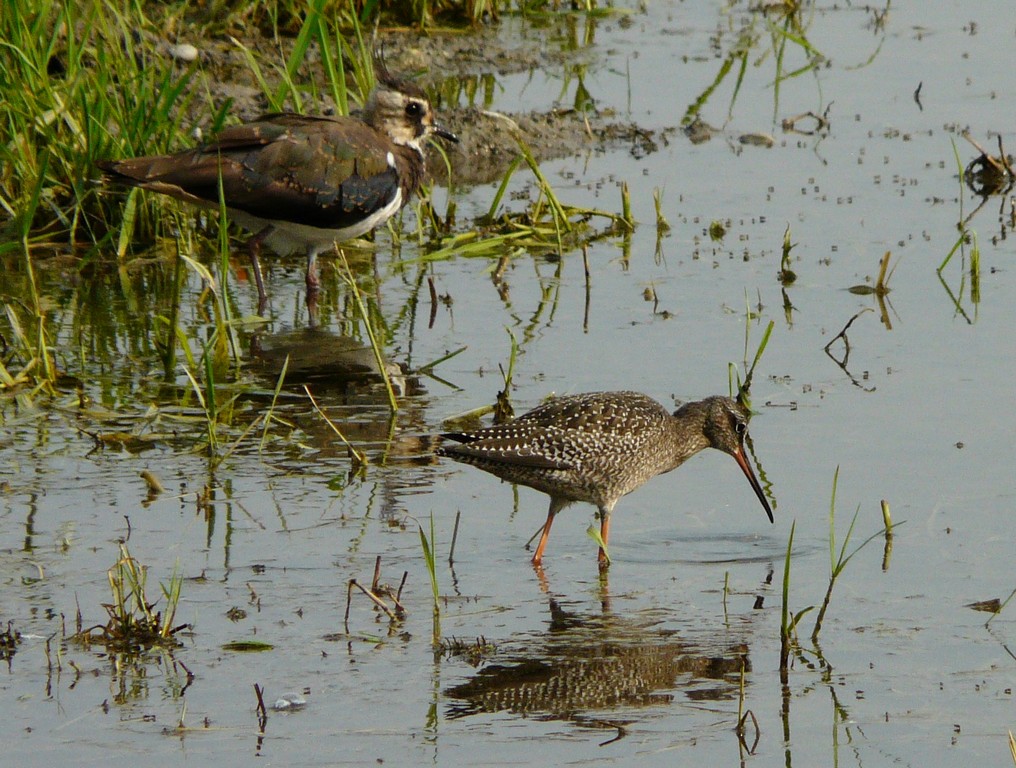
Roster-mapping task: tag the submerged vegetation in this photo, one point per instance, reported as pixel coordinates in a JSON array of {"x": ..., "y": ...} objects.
[
  {"x": 790, "y": 622},
  {"x": 128, "y": 330},
  {"x": 134, "y": 621},
  {"x": 100, "y": 81}
]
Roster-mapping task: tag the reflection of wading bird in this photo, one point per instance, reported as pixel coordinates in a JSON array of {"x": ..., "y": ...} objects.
[
  {"x": 605, "y": 663},
  {"x": 303, "y": 183},
  {"x": 598, "y": 447}
]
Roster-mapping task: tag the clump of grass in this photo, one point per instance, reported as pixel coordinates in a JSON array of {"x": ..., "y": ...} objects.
[
  {"x": 786, "y": 275},
  {"x": 782, "y": 23},
  {"x": 627, "y": 219},
  {"x": 662, "y": 225},
  {"x": 546, "y": 225},
  {"x": 133, "y": 619},
  {"x": 77, "y": 80},
  {"x": 880, "y": 290},
  {"x": 965, "y": 237},
  {"x": 501, "y": 407},
  {"x": 10, "y": 638},
  {"x": 474, "y": 652},
  {"x": 217, "y": 411},
  {"x": 593, "y": 532},
  {"x": 989, "y": 174}
]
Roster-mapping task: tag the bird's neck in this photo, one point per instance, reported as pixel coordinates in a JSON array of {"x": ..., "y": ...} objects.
[
  {"x": 687, "y": 433},
  {"x": 409, "y": 161}
]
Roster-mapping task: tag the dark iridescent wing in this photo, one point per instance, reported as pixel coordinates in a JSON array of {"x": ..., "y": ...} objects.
[{"x": 323, "y": 172}]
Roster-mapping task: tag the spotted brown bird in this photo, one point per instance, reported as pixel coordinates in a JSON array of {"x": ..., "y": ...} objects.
[
  {"x": 600, "y": 446},
  {"x": 301, "y": 182}
]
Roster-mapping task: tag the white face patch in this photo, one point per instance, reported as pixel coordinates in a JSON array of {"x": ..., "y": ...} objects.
[{"x": 391, "y": 160}]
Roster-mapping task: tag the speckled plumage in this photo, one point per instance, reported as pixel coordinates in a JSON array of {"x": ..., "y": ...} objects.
[
  {"x": 301, "y": 182},
  {"x": 600, "y": 446}
]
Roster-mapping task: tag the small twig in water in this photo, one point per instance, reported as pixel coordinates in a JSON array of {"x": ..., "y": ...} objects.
[
  {"x": 261, "y": 710},
  {"x": 843, "y": 333},
  {"x": 374, "y": 599},
  {"x": 359, "y": 457}
]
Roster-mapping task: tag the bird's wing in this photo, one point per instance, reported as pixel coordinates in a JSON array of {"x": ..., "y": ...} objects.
[
  {"x": 490, "y": 446},
  {"x": 322, "y": 172}
]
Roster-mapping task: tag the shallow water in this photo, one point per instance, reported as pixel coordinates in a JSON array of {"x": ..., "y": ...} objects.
[{"x": 918, "y": 416}]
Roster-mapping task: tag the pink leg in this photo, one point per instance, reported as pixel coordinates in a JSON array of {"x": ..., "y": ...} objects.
[
  {"x": 313, "y": 285},
  {"x": 254, "y": 250}
]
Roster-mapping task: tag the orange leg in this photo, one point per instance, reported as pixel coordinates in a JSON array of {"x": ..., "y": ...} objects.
[{"x": 555, "y": 507}]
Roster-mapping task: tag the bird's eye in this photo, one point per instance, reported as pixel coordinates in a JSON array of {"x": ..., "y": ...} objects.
[
  {"x": 414, "y": 109},
  {"x": 740, "y": 427}
]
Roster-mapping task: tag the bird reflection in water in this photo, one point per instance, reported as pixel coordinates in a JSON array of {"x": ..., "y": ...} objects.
[{"x": 597, "y": 664}]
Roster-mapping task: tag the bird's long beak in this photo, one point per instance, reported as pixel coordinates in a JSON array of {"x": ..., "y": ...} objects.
[
  {"x": 444, "y": 133},
  {"x": 742, "y": 462}
]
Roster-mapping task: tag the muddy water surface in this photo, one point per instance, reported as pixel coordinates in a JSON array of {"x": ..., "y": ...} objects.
[{"x": 647, "y": 663}]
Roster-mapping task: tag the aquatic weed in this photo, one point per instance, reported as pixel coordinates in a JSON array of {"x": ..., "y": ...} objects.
[{"x": 133, "y": 618}]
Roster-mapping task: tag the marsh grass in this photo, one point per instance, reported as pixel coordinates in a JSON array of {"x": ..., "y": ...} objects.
[
  {"x": 838, "y": 560},
  {"x": 77, "y": 88},
  {"x": 77, "y": 84},
  {"x": 786, "y": 275},
  {"x": 593, "y": 532},
  {"x": 94, "y": 83},
  {"x": 1001, "y": 606},
  {"x": 740, "y": 389},
  {"x": 474, "y": 652},
  {"x": 881, "y": 287},
  {"x": 503, "y": 409},
  {"x": 359, "y": 458},
  {"x": 773, "y": 34},
  {"x": 966, "y": 237},
  {"x": 427, "y": 544},
  {"x": 546, "y": 225},
  {"x": 452, "y": 14},
  {"x": 133, "y": 619},
  {"x": 10, "y": 639},
  {"x": 880, "y": 290},
  {"x": 788, "y": 622},
  {"x": 372, "y": 335}
]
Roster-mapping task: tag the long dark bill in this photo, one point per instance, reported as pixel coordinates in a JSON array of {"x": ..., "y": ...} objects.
[{"x": 742, "y": 462}]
